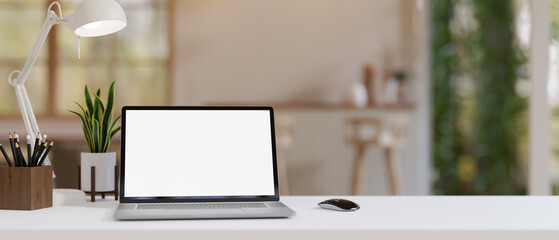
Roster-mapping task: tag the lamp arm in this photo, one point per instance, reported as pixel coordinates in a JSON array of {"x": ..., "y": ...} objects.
[
  {"x": 18, "y": 82},
  {"x": 51, "y": 20}
]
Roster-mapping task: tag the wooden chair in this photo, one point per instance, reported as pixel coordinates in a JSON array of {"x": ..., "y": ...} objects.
[{"x": 380, "y": 132}]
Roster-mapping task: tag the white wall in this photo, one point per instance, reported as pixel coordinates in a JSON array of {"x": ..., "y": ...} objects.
[
  {"x": 251, "y": 51},
  {"x": 260, "y": 50}
]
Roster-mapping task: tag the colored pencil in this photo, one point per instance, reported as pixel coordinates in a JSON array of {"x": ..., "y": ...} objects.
[
  {"x": 46, "y": 153},
  {"x": 36, "y": 147},
  {"x": 28, "y": 141},
  {"x": 39, "y": 152},
  {"x": 43, "y": 147},
  {"x": 20, "y": 156},
  {"x": 6, "y": 155},
  {"x": 16, "y": 161}
]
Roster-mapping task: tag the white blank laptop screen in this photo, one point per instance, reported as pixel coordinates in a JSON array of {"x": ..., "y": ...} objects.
[{"x": 193, "y": 153}]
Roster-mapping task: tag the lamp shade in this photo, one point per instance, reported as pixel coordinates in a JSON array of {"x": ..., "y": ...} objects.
[{"x": 93, "y": 18}]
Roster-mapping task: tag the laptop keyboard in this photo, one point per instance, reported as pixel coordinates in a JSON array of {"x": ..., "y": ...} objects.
[{"x": 202, "y": 206}]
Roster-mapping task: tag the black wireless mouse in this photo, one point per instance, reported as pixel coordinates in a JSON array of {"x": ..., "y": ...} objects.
[{"x": 339, "y": 204}]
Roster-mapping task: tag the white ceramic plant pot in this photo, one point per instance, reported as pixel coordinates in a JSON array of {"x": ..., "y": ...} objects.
[{"x": 104, "y": 164}]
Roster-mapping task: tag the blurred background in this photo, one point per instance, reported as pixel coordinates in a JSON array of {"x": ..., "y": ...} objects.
[{"x": 373, "y": 97}]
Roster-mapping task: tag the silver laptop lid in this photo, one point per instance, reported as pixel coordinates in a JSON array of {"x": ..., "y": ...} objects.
[{"x": 194, "y": 154}]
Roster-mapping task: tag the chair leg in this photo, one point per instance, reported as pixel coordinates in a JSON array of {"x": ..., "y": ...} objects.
[
  {"x": 391, "y": 171},
  {"x": 357, "y": 165}
]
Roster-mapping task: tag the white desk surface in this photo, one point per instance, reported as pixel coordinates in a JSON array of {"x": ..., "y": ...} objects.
[{"x": 427, "y": 217}]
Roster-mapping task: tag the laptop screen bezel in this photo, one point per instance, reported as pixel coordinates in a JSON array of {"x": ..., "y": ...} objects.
[{"x": 178, "y": 199}]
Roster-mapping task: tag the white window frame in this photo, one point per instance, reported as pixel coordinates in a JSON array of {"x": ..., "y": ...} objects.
[{"x": 539, "y": 176}]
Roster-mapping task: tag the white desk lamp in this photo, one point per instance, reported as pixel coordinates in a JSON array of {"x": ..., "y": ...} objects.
[{"x": 92, "y": 18}]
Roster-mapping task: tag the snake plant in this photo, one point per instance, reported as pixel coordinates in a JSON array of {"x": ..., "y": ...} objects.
[{"x": 99, "y": 127}]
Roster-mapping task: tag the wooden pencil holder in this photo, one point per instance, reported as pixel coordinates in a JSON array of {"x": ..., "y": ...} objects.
[{"x": 25, "y": 188}]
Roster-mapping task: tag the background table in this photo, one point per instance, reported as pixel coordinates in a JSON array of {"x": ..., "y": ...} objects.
[{"x": 386, "y": 217}]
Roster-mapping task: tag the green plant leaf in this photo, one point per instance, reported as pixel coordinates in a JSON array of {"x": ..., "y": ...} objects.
[
  {"x": 86, "y": 131},
  {"x": 97, "y": 119},
  {"x": 108, "y": 115},
  {"x": 97, "y": 99},
  {"x": 112, "y": 133},
  {"x": 96, "y": 108},
  {"x": 115, "y": 131},
  {"x": 88, "y": 102},
  {"x": 101, "y": 106},
  {"x": 87, "y": 125},
  {"x": 96, "y": 143},
  {"x": 85, "y": 114},
  {"x": 96, "y": 114},
  {"x": 79, "y": 105},
  {"x": 114, "y": 123}
]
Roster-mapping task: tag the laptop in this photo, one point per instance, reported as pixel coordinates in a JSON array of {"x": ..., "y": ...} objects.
[{"x": 198, "y": 163}]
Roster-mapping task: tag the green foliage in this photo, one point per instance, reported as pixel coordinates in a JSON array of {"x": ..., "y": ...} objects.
[
  {"x": 554, "y": 19},
  {"x": 446, "y": 109},
  {"x": 477, "y": 134},
  {"x": 555, "y": 107},
  {"x": 99, "y": 127},
  {"x": 499, "y": 108}
]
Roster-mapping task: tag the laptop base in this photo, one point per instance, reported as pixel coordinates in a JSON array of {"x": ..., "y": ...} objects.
[{"x": 133, "y": 211}]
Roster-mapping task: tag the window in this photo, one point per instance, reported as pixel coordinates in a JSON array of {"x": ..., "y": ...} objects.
[
  {"x": 480, "y": 98},
  {"x": 136, "y": 57}
]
